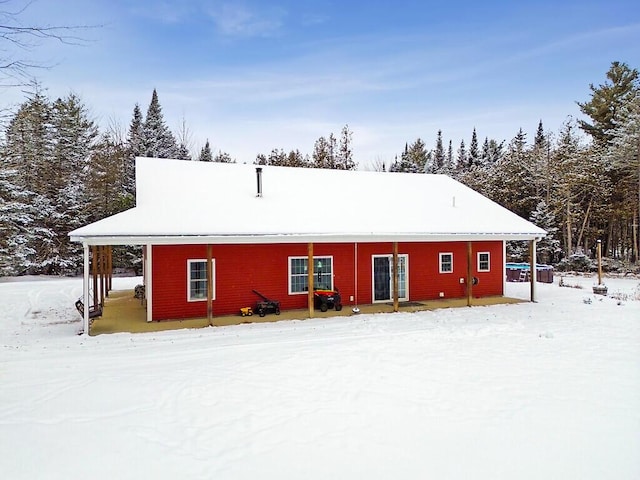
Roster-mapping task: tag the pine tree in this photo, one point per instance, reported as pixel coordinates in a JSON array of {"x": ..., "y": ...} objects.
[
  {"x": 28, "y": 152},
  {"x": 223, "y": 157},
  {"x": 540, "y": 142},
  {"x": 484, "y": 155},
  {"x": 495, "y": 151},
  {"x": 17, "y": 217},
  {"x": 607, "y": 101},
  {"x": 548, "y": 248},
  {"x": 463, "y": 159},
  {"x": 296, "y": 159},
  {"x": 277, "y": 157},
  {"x": 73, "y": 137},
  {"x": 29, "y": 142},
  {"x": 184, "y": 139},
  {"x": 438, "y": 154},
  {"x": 414, "y": 159},
  {"x": 321, "y": 156},
  {"x": 345, "y": 155},
  {"x": 158, "y": 141},
  {"x": 449, "y": 163},
  {"x": 474, "y": 156},
  {"x": 519, "y": 143},
  {"x": 105, "y": 182},
  {"x": 183, "y": 152},
  {"x": 623, "y": 157},
  {"x": 135, "y": 148},
  {"x": 205, "y": 153}
]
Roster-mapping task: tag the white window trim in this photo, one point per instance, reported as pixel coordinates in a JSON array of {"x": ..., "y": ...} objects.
[
  {"x": 213, "y": 279},
  {"x": 330, "y": 257},
  {"x": 406, "y": 283},
  {"x": 440, "y": 255},
  {"x": 488, "y": 269}
]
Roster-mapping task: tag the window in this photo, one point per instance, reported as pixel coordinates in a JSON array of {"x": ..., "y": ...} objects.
[
  {"x": 197, "y": 280},
  {"x": 446, "y": 263},
  {"x": 298, "y": 274},
  {"x": 483, "y": 262}
]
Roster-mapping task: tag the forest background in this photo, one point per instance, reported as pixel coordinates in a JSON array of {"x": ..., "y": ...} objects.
[{"x": 59, "y": 170}]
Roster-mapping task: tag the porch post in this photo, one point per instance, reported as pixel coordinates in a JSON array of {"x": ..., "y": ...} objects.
[
  {"x": 395, "y": 276},
  {"x": 85, "y": 289},
  {"x": 469, "y": 273},
  {"x": 148, "y": 293},
  {"x": 94, "y": 274},
  {"x": 109, "y": 269},
  {"x": 310, "y": 278},
  {"x": 533, "y": 270},
  {"x": 102, "y": 267},
  {"x": 209, "y": 286}
]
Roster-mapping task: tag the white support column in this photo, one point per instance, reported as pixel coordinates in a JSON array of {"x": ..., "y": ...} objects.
[
  {"x": 148, "y": 288},
  {"x": 533, "y": 272},
  {"x": 85, "y": 289}
]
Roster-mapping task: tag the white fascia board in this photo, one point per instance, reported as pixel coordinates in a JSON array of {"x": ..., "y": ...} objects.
[{"x": 302, "y": 238}]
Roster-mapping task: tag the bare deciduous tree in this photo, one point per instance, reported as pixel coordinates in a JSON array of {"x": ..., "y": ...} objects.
[{"x": 17, "y": 40}]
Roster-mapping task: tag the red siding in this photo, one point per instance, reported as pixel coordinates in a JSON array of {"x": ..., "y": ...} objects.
[{"x": 241, "y": 268}]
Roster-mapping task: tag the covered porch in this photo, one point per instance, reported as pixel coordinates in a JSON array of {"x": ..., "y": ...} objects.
[
  {"x": 121, "y": 311},
  {"x": 125, "y": 313}
]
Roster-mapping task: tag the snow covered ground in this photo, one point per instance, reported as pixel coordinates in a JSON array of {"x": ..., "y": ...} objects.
[{"x": 528, "y": 391}]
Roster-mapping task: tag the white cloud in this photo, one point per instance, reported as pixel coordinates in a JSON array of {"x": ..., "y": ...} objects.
[{"x": 234, "y": 19}]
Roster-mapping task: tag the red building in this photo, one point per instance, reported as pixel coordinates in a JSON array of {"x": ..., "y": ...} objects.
[{"x": 212, "y": 233}]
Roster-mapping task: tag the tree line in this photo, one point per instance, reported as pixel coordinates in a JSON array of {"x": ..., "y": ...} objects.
[{"x": 58, "y": 171}]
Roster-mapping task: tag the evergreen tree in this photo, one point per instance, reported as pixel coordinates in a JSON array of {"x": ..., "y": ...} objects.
[
  {"x": 607, "y": 101},
  {"x": 73, "y": 135},
  {"x": 623, "y": 158},
  {"x": 438, "y": 155},
  {"x": 345, "y": 155},
  {"x": 540, "y": 142},
  {"x": 183, "y": 152},
  {"x": 296, "y": 159},
  {"x": 17, "y": 219},
  {"x": 474, "y": 156},
  {"x": 158, "y": 141},
  {"x": 28, "y": 152},
  {"x": 205, "y": 153},
  {"x": 495, "y": 151},
  {"x": 548, "y": 249},
  {"x": 322, "y": 154},
  {"x": 581, "y": 189},
  {"x": 184, "y": 139},
  {"x": 519, "y": 143},
  {"x": 449, "y": 163},
  {"x": 463, "y": 159},
  {"x": 484, "y": 155},
  {"x": 29, "y": 142},
  {"x": 414, "y": 159},
  {"x": 106, "y": 184},
  {"x": 223, "y": 157},
  {"x": 277, "y": 157},
  {"x": 135, "y": 148}
]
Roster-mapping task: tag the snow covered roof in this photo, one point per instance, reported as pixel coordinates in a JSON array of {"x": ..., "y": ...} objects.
[{"x": 202, "y": 202}]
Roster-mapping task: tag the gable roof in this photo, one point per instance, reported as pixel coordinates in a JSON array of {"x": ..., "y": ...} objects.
[{"x": 179, "y": 201}]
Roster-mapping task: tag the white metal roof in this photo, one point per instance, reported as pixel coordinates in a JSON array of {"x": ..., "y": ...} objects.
[{"x": 202, "y": 202}]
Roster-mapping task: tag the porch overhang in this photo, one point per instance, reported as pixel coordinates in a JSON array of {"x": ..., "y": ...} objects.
[{"x": 364, "y": 237}]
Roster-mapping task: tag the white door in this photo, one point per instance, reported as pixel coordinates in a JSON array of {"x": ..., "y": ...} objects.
[{"x": 382, "y": 281}]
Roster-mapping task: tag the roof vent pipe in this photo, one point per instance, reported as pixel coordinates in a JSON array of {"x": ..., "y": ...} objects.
[
  {"x": 259, "y": 180},
  {"x": 454, "y": 201}
]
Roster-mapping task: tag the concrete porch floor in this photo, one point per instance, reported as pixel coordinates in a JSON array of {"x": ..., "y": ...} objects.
[{"x": 124, "y": 313}]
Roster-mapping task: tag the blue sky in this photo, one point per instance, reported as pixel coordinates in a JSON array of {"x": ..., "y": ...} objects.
[{"x": 255, "y": 75}]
